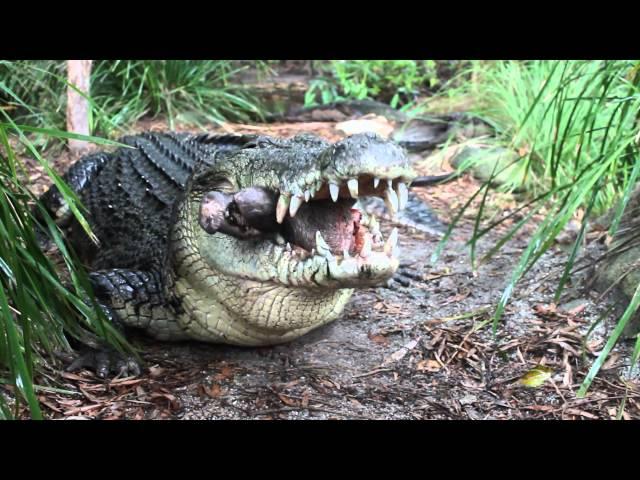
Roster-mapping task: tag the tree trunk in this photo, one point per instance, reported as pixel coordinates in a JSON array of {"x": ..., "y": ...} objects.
[{"x": 78, "y": 74}]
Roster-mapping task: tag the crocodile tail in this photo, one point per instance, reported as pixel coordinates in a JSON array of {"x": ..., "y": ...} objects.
[{"x": 429, "y": 180}]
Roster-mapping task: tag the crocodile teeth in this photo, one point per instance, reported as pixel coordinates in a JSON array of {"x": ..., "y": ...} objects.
[
  {"x": 307, "y": 195},
  {"x": 374, "y": 229},
  {"x": 345, "y": 254},
  {"x": 282, "y": 207},
  {"x": 288, "y": 247},
  {"x": 353, "y": 187},
  {"x": 321, "y": 246},
  {"x": 403, "y": 195},
  {"x": 390, "y": 246},
  {"x": 391, "y": 200},
  {"x": 295, "y": 205},
  {"x": 350, "y": 266},
  {"x": 279, "y": 239},
  {"x": 376, "y": 182},
  {"x": 374, "y": 226},
  {"x": 334, "y": 190},
  {"x": 390, "y": 184},
  {"x": 365, "y": 251}
]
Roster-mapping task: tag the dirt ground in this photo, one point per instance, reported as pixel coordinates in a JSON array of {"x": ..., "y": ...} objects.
[{"x": 421, "y": 350}]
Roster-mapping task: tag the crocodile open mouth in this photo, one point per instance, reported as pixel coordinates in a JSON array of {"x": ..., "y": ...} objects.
[
  {"x": 290, "y": 215},
  {"x": 322, "y": 221},
  {"x": 328, "y": 224}
]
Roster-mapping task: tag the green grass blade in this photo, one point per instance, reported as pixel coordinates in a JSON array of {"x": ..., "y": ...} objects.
[{"x": 613, "y": 339}]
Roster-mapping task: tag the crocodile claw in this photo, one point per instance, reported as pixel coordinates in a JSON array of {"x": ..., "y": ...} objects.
[
  {"x": 406, "y": 276},
  {"x": 105, "y": 362}
]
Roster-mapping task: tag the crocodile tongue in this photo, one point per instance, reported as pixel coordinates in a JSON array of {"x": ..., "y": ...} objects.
[{"x": 338, "y": 223}]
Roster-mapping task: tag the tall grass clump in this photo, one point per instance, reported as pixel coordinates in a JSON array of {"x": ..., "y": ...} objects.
[
  {"x": 40, "y": 302},
  {"x": 189, "y": 91},
  {"x": 576, "y": 127},
  {"x": 124, "y": 91},
  {"x": 561, "y": 116}
]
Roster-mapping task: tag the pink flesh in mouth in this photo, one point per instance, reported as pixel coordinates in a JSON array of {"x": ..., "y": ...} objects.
[{"x": 338, "y": 223}]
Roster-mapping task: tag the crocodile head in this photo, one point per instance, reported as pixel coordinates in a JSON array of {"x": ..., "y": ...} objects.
[{"x": 306, "y": 241}]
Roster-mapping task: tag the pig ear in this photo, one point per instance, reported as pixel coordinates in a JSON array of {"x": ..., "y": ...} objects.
[{"x": 212, "y": 208}]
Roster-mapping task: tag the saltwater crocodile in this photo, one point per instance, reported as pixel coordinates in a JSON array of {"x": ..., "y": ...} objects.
[{"x": 245, "y": 240}]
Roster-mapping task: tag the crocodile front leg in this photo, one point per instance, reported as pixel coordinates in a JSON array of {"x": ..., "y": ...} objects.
[
  {"x": 102, "y": 359},
  {"x": 138, "y": 300},
  {"x": 129, "y": 298}
]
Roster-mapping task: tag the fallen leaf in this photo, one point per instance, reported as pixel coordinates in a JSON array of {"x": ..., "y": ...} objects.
[
  {"x": 399, "y": 354},
  {"x": 428, "y": 366},
  {"x": 545, "y": 310},
  {"x": 156, "y": 371},
  {"x": 611, "y": 361},
  {"x": 536, "y": 376},
  {"x": 540, "y": 408},
  {"x": 226, "y": 372},
  {"x": 581, "y": 413},
  {"x": 214, "y": 391},
  {"x": 379, "y": 339},
  {"x": 288, "y": 401}
]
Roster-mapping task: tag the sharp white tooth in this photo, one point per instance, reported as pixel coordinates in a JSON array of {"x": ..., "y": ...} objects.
[
  {"x": 295, "y": 205},
  {"x": 374, "y": 229},
  {"x": 390, "y": 184},
  {"x": 334, "y": 190},
  {"x": 282, "y": 207},
  {"x": 310, "y": 177},
  {"x": 279, "y": 239},
  {"x": 365, "y": 251},
  {"x": 321, "y": 245},
  {"x": 320, "y": 241},
  {"x": 307, "y": 195},
  {"x": 288, "y": 247},
  {"x": 391, "y": 242},
  {"x": 391, "y": 200},
  {"x": 395, "y": 251},
  {"x": 345, "y": 254},
  {"x": 353, "y": 187},
  {"x": 376, "y": 182},
  {"x": 403, "y": 195},
  {"x": 349, "y": 267}
]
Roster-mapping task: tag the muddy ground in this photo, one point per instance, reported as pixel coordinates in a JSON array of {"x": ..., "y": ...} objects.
[{"x": 423, "y": 349}]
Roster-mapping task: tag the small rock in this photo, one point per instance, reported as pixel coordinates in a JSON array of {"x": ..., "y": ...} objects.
[{"x": 368, "y": 123}]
